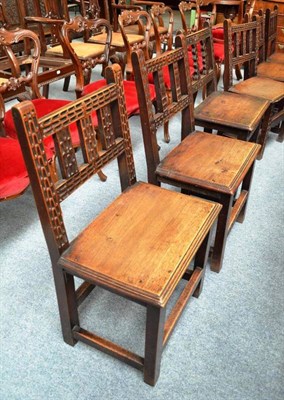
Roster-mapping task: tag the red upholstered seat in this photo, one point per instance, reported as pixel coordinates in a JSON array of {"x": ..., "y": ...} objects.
[
  {"x": 167, "y": 74},
  {"x": 131, "y": 99},
  {"x": 13, "y": 174},
  {"x": 218, "y": 33},
  {"x": 43, "y": 107},
  {"x": 219, "y": 52}
]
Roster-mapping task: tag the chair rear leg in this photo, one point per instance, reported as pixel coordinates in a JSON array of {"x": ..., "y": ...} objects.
[{"x": 246, "y": 184}]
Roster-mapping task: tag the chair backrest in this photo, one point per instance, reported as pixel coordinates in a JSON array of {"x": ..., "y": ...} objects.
[
  {"x": 181, "y": 97},
  {"x": 112, "y": 127},
  {"x": 90, "y": 9},
  {"x": 163, "y": 38},
  {"x": 92, "y": 26},
  {"x": 270, "y": 31},
  {"x": 261, "y": 34},
  {"x": 241, "y": 48},
  {"x": 21, "y": 77},
  {"x": 190, "y": 16},
  {"x": 143, "y": 19},
  {"x": 201, "y": 60}
]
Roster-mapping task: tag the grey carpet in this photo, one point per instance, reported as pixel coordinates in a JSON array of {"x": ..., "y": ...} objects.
[{"x": 228, "y": 344}]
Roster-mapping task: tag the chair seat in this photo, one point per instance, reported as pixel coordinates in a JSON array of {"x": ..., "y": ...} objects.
[
  {"x": 219, "y": 52},
  {"x": 209, "y": 161},
  {"x": 14, "y": 178},
  {"x": 277, "y": 58},
  {"x": 117, "y": 39},
  {"x": 265, "y": 88},
  {"x": 155, "y": 259},
  {"x": 83, "y": 50},
  {"x": 43, "y": 107},
  {"x": 130, "y": 92},
  {"x": 3, "y": 80},
  {"x": 218, "y": 32},
  {"x": 232, "y": 110},
  {"x": 271, "y": 70}
]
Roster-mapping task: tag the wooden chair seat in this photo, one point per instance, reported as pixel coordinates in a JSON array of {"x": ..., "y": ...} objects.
[
  {"x": 83, "y": 50},
  {"x": 219, "y": 110},
  {"x": 3, "y": 80},
  {"x": 140, "y": 269},
  {"x": 265, "y": 88},
  {"x": 209, "y": 161},
  {"x": 271, "y": 70},
  {"x": 117, "y": 39}
]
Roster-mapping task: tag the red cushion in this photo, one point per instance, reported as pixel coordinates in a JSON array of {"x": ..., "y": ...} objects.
[
  {"x": 42, "y": 107},
  {"x": 166, "y": 75},
  {"x": 131, "y": 99},
  {"x": 219, "y": 53},
  {"x": 218, "y": 33},
  {"x": 13, "y": 174}
]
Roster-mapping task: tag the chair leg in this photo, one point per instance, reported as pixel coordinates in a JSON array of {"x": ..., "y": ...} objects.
[
  {"x": 153, "y": 343},
  {"x": 166, "y": 132},
  {"x": 238, "y": 72},
  {"x": 264, "y": 131},
  {"x": 200, "y": 260},
  {"x": 221, "y": 233},
  {"x": 246, "y": 186},
  {"x": 66, "y": 83},
  {"x": 67, "y": 304},
  {"x": 280, "y": 137}
]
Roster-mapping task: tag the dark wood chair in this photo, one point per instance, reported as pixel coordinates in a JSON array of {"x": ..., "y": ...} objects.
[
  {"x": 242, "y": 38},
  {"x": 137, "y": 247},
  {"x": 241, "y": 116},
  {"x": 203, "y": 164}
]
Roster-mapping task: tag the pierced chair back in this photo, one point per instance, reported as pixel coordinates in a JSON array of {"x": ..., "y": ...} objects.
[
  {"x": 190, "y": 16},
  {"x": 241, "y": 48},
  {"x": 130, "y": 18},
  {"x": 163, "y": 33},
  {"x": 181, "y": 99}
]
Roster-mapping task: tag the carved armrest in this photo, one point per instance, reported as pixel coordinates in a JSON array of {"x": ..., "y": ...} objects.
[{"x": 45, "y": 20}]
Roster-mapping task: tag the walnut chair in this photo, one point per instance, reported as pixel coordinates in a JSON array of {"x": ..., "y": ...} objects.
[
  {"x": 203, "y": 164},
  {"x": 136, "y": 247},
  {"x": 242, "y": 116},
  {"x": 243, "y": 39}
]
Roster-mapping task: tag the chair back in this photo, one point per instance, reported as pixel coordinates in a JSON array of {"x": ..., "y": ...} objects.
[
  {"x": 270, "y": 31},
  {"x": 90, "y": 27},
  {"x": 201, "y": 60},
  {"x": 163, "y": 33},
  {"x": 181, "y": 99},
  {"x": 190, "y": 16},
  {"x": 22, "y": 78},
  {"x": 143, "y": 19},
  {"x": 241, "y": 48},
  {"x": 73, "y": 171}
]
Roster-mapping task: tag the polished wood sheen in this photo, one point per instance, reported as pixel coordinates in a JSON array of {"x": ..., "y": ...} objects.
[
  {"x": 208, "y": 166},
  {"x": 139, "y": 247}
]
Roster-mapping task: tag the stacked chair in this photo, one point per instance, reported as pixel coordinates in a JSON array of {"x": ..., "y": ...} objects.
[{"x": 149, "y": 239}]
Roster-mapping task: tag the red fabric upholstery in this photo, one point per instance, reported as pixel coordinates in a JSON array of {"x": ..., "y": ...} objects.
[
  {"x": 131, "y": 99},
  {"x": 42, "y": 107},
  {"x": 219, "y": 53},
  {"x": 13, "y": 174},
  {"x": 218, "y": 33}
]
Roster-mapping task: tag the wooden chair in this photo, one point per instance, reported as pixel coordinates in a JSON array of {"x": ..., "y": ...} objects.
[
  {"x": 137, "y": 247},
  {"x": 242, "y": 38},
  {"x": 230, "y": 114},
  {"x": 88, "y": 53},
  {"x": 203, "y": 164},
  {"x": 163, "y": 26}
]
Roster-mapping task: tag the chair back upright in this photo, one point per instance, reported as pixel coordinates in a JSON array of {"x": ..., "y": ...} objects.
[
  {"x": 21, "y": 79},
  {"x": 112, "y": 125},
  {"x": 91, "y": 27},
  {"x": 271, "y": 17},
  {"x": 241, "y": 48},
  {"x": 202, "y": 60},
  {"x": 190, "y": 16},
  {"x": 181, "y": 99},
  {"x": 163, "y": 34}
]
